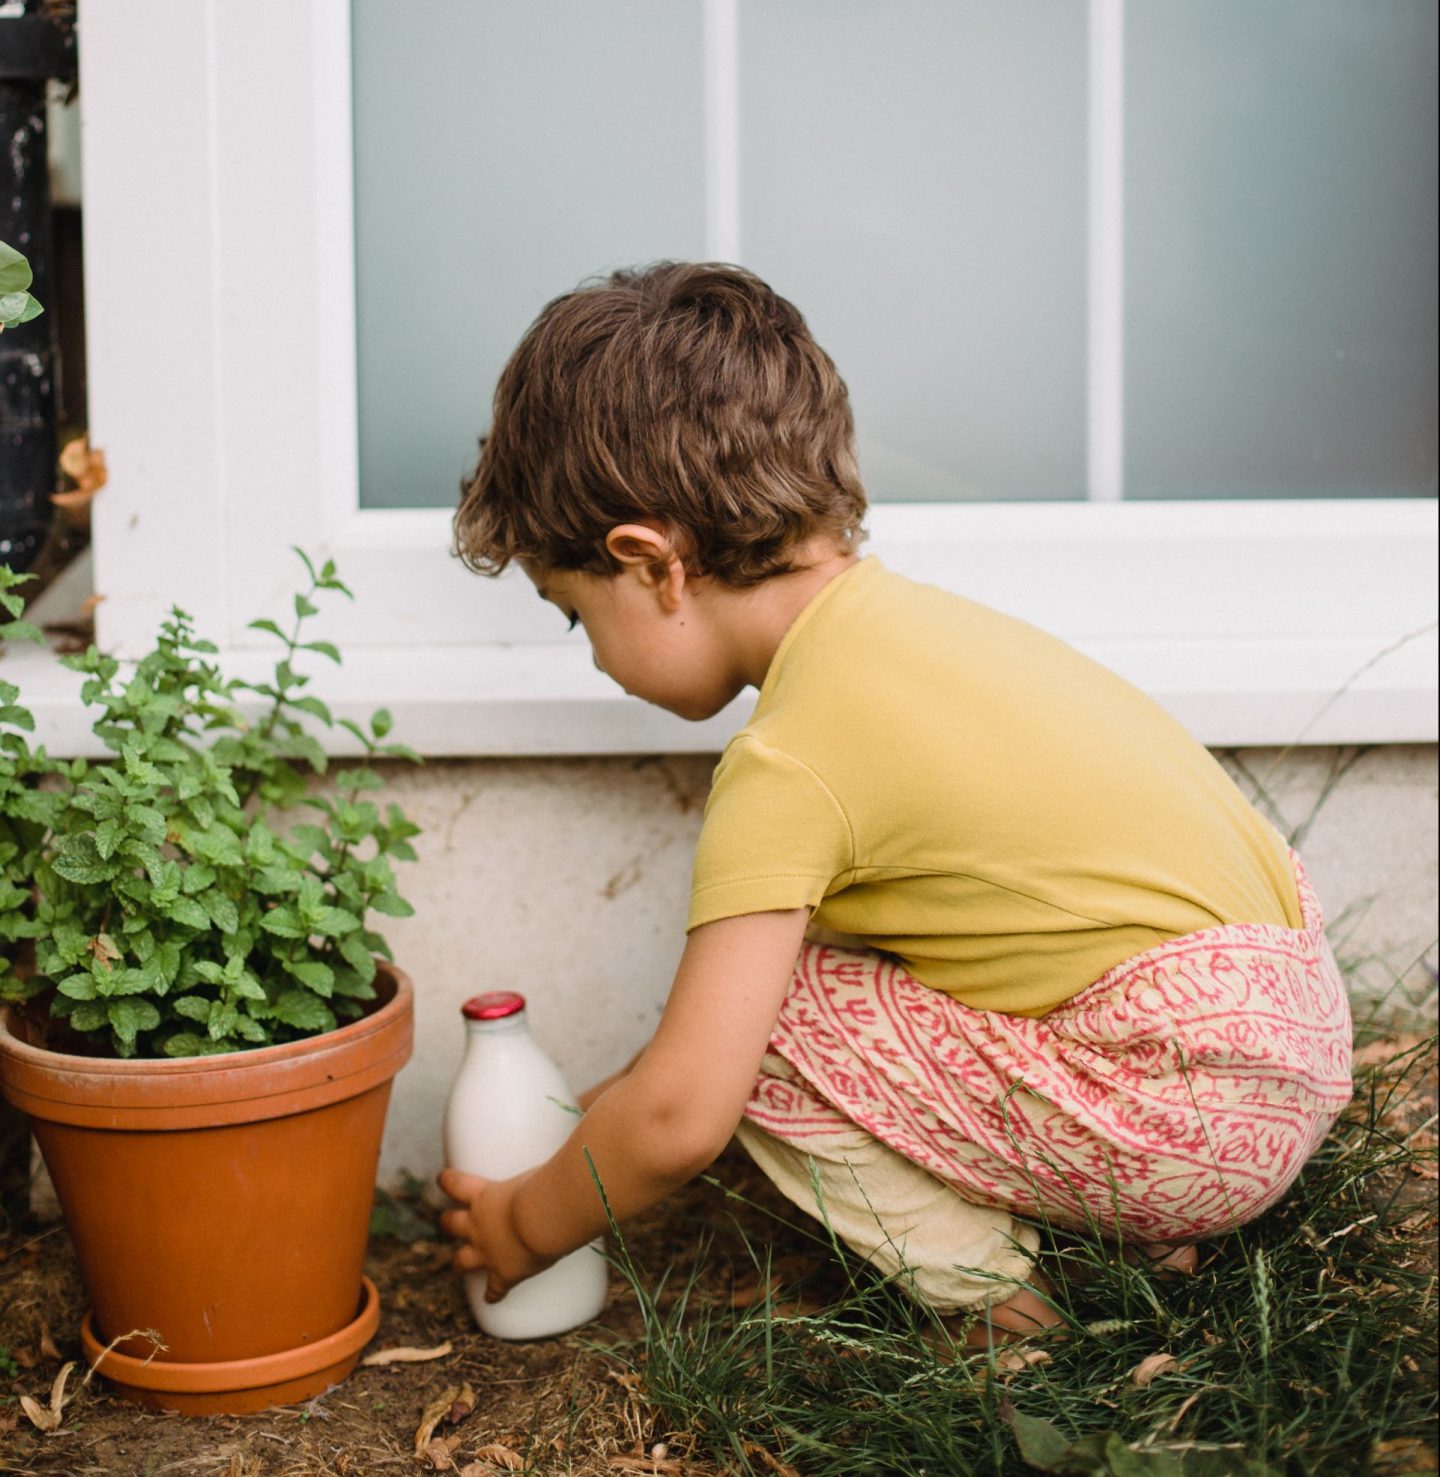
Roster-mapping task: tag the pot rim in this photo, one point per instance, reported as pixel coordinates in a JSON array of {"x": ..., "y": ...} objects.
[{"x": 209, "y": 1091}]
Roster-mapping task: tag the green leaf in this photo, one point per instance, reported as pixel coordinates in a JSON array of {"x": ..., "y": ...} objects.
[
  {"x": 90, "y": 1015},
  {"x": 274, "y": 880},
  {"x": 186, "y": 1043},
  {"x": 15, "y": 274},
  {"x": 325, "y": 648},
  {"x": 77, "y": 987},
  {"x": 304, "y": 608},
  {"x": 381, "y": 723},
  {"x": 314, "y": 707},
  {"x": 313, "y": 975},
  {"x": 251, "y": 1030},
  {"x": 17, "y": 308},
  {"x": 284, "y": 922},
  {"x": 223, "y": 912},
  {"x": 355, "y": 951},
  {"x": 247, "y": 987},
  {"x": 392, "y": 905},
  {"x": 219, "y": 845},
  {"x": 330, "y": 923},
  {"x": 304, "y": 1011},
  {"x": 129, "y": 1017},
  {"x": 187, "y": 911},
  {"x": 223, "y": 1016},
  {"x": 80, "y": 861},
  {"x": 270, "y": 627},
  {"x": 259, "y": 844},
  {"x": 21, "y": 631},
  {"x": 193, "y": 1007},
  {"x": 108, "y": 835}
]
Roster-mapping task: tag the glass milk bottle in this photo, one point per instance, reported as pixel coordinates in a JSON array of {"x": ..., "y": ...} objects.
[{"x": 509, "y": 1110}]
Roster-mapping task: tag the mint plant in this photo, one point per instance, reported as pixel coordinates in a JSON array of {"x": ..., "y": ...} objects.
[{"x": 167, "y": 906}]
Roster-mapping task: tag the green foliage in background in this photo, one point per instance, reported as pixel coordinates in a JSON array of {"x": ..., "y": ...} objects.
[
  {"x": 16, "y": 304},
  {"x": 169, "y": 909}
]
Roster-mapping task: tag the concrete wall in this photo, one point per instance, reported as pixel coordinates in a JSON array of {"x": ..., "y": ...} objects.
[{"x": 568, "y": 880}]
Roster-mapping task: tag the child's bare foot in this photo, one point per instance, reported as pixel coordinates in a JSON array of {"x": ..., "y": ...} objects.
[
  {"x": 1180, "y": 1257},
  {"x": 1028, "y": 1312}
]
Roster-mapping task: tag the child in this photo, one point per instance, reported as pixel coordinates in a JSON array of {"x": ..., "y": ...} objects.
[{"x": 1086, "y": 983}]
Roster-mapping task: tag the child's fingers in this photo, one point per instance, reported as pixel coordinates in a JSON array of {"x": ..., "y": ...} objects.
[
  {"x": 467, "y": 1258},
  {"x": 456, "y": 1223},
  {"x": 460, "y": 1186}
]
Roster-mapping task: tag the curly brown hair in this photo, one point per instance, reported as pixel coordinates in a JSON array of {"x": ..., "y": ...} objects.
[{"x": 688, "y": 393}]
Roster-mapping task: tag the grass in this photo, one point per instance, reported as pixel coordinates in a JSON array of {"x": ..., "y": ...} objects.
[{"x": 1304, "y": 1344}]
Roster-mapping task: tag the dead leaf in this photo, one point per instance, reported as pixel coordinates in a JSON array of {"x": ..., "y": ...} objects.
[
  {"x": 1149, "y": 1367},
  {"x": 500, "y": 1456},
  {"x": 1406, "y": 1456},
  {"x": 1012, "y": 1361},
  {"x": 436, "y": 1412},
  {"x": 84, "y": 465},
  {"x": 437, "y": 1454},
  {"x": 648, "y": 1465},
  {"x": 753, "y": 1448},
  {"x": 405, "y": 1354},
  {"x": 48, "y": 1420},
  {"x": 46, "y": 1342}
]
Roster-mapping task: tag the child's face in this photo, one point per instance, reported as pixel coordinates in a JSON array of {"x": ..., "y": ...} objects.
[{"x": 652, "y": 639}]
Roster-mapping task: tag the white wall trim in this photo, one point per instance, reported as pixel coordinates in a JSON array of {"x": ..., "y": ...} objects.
[
  {"x": 220, "y": 307},
  {"x": 1105, "y": 349},
  {"x": 721, "y": 61}
]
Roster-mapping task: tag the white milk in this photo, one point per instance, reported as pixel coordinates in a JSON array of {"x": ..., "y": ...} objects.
[{"x": 509, "y": 1110}]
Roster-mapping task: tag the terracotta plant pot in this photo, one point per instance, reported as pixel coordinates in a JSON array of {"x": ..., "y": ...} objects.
[{"x": 223, "y": 1202}]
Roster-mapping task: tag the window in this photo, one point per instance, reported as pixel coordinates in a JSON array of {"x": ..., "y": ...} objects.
[{"x": 222, "y": 203}]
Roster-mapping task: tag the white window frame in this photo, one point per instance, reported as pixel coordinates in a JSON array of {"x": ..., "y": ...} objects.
[{"x": 221, "y": 342}]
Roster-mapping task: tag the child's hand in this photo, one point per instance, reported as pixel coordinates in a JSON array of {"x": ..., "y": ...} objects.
[{"x": 486, "y": 1229}]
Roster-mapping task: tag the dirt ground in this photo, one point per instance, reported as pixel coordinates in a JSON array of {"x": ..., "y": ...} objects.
[
  {"x": 560, "y": 1405},
  {"x": 565, "y": 1405}
]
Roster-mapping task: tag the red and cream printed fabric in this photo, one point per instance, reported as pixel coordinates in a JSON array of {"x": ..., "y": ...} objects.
[{"x": 1173, "y": 1099}]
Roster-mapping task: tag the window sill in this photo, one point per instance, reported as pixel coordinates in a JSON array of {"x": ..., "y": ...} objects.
[{"x": 549, "y": 699}]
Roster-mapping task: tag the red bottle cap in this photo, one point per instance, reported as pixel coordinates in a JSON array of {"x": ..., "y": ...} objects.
[{"x": 493, "y": 1006}]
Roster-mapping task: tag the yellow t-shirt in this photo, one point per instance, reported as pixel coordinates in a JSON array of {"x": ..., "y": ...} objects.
[{"x": 959, "y": 789}]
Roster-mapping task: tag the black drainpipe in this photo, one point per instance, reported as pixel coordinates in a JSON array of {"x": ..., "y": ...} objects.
[{"x": 34, "y": 47}]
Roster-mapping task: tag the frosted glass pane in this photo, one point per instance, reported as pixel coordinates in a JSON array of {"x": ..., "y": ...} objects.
[
  {"x": 503, "y": 152},
  {"x": 913, "y": 176},
  {"x": 1280, "y": 248}
]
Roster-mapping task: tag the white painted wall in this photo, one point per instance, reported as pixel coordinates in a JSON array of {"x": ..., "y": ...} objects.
[{"x": 568, "y": 880}]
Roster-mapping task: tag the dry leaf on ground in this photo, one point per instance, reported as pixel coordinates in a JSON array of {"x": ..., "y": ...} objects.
[
  {"x": 1406, "y": 1456},
  {"x": 1012, "y": 1361},
  {"x": 1149, "y": 1367},
  {"x": 438, "y": 1454},
  {"x": 753, "y": 1448},
  {"x": 499, "y": 1456},
  {"x": 41, "y": 1418},
  {"x": 438, "y": 1410},
  {"x": 405, "y": 1354}
]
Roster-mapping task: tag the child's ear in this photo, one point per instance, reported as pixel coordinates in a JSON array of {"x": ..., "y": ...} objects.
[{"x": 649, "y": 550}]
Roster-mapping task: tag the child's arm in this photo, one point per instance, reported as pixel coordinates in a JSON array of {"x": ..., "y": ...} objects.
[
  {"x": 592, "y": 1095},
  {"x": 656, "y": 1127}
]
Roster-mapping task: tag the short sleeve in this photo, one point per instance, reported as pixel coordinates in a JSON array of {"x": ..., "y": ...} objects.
[{"x": 774, "y": 836}]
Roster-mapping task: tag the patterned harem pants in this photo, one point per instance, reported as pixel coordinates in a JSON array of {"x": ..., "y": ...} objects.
[{"x": 1173, "y": 1099}]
